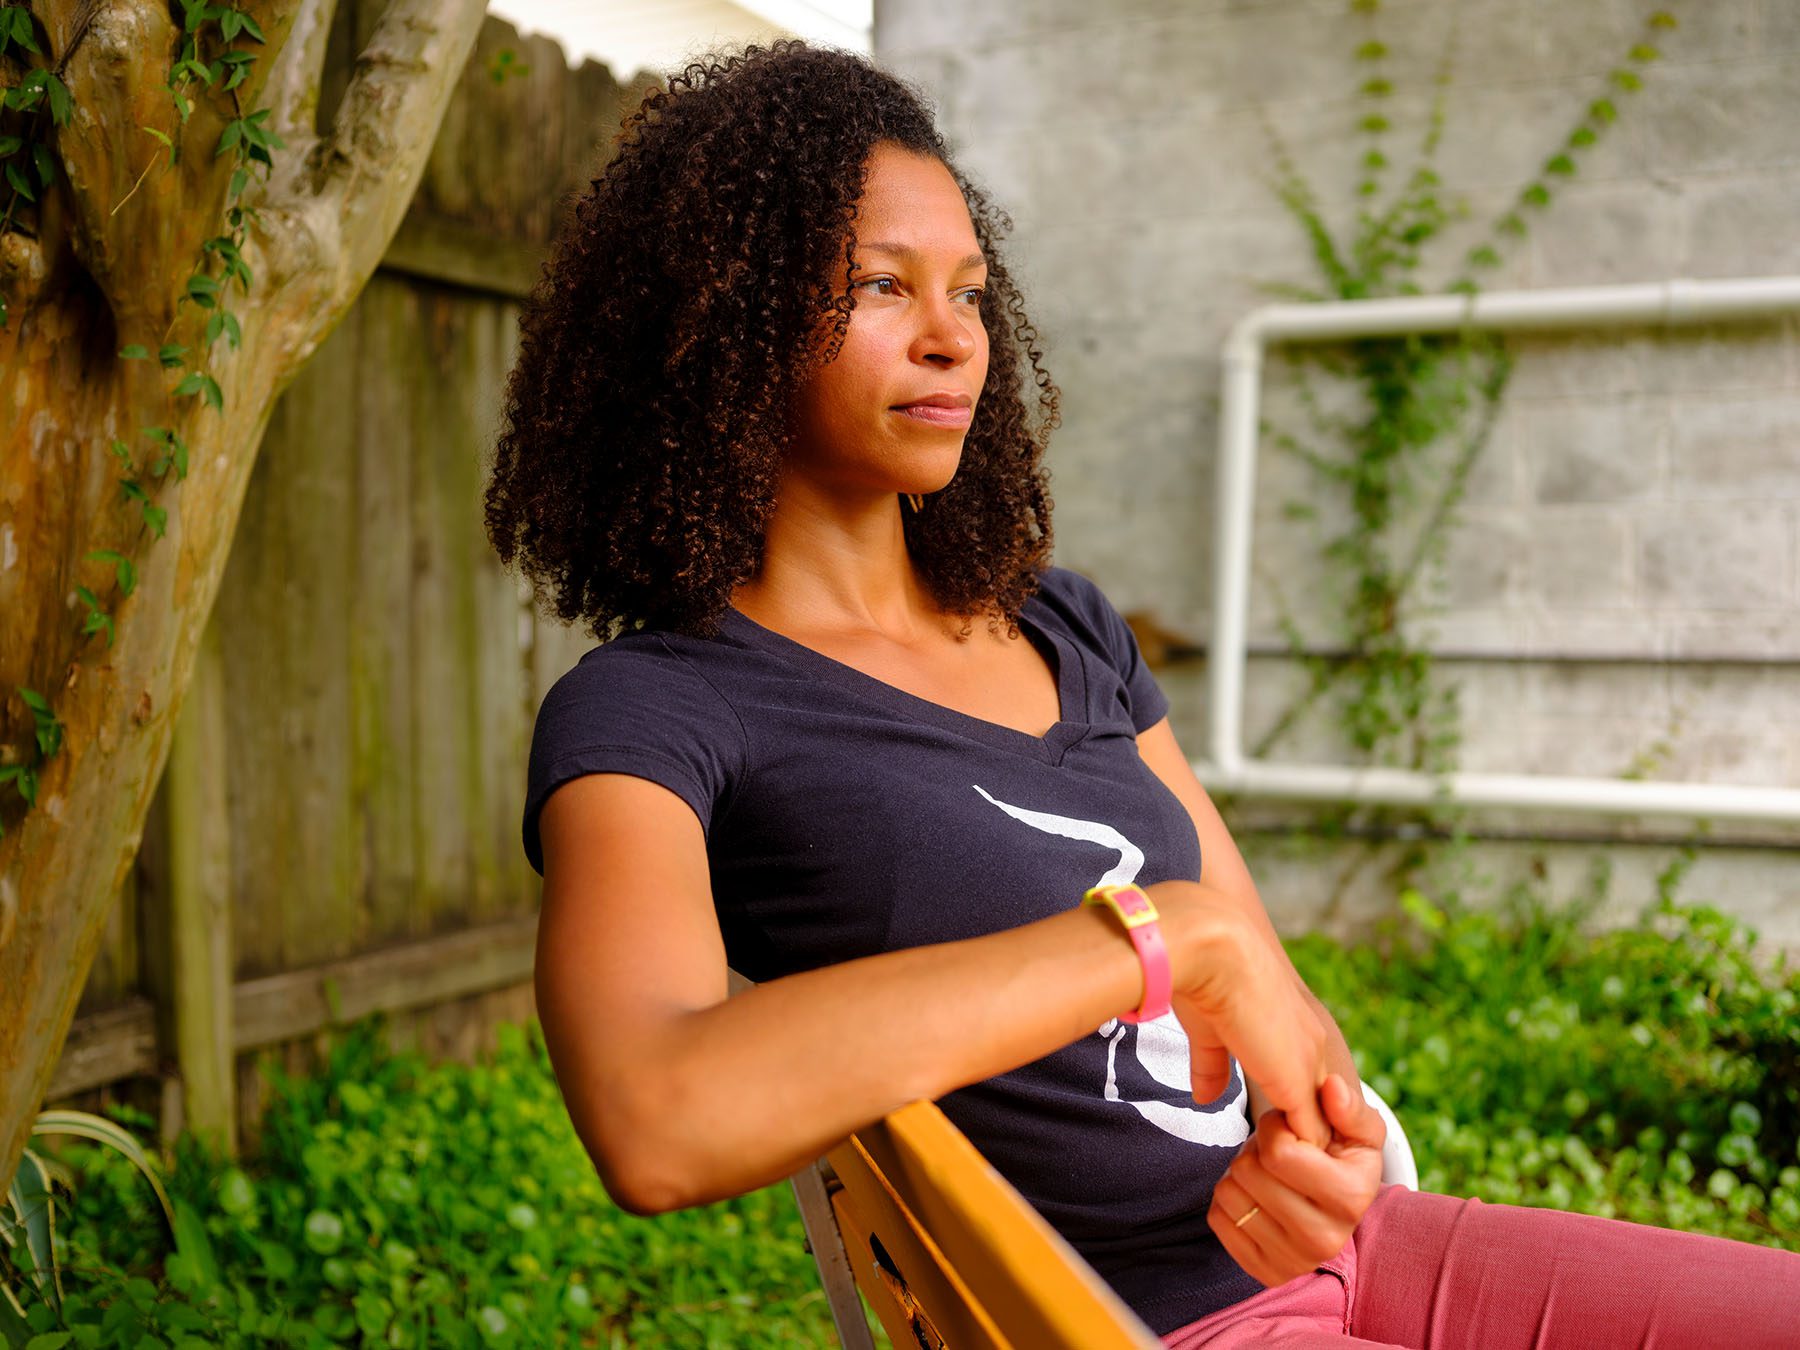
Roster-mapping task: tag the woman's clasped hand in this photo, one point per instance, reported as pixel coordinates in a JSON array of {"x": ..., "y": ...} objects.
[
  {"x": 1286, "y": 1206},
  {"x": 1297, "y": 1190}
]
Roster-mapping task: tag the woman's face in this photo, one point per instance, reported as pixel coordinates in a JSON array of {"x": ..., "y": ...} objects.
[{"x": 915, "y": 334}]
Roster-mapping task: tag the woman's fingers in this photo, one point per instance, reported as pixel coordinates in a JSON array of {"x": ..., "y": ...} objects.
[
  {"x": 1299, "y": 1228},
  {"x": 1231, "y": 1226},
  {"x": 1340, "y": 1181},
  {"x": 1235, "y": 994},
  {"x": 1354, "y": 1123},
  {"x": 1209, "y": 1066}
]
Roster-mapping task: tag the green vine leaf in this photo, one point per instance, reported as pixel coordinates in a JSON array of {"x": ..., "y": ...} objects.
[
  {"x": 1559, "y": 164},
  {"x": 16, "y": 29},
  {"x": 164, "y": 137},
  {"x": 223, "y": 321},
  {"x": 20, "y": 183},
  {"x": 172, "y": 450},
  {"x": 155, "y": 517},
  {"x": 123, "y": 566},
  {"x": 136, "y": 351},
  {"x": 24, "y": 778},
  {"x": 199, "y": 382},
  {"x": 62, "y": 104},
  {"x": 98, "y": 620},
  {"x": 171, "y": 355}
]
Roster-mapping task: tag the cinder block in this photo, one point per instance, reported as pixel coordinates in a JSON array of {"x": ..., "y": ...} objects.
[
  {"x": 1611, "y": 451},
  {"x": 1768, "y": 635},
  {"x": 1715, "y": 556},
  {"x": 1603, "y": 233},
  {"x": 1496, "y": 630},
  {"x": 1739, "y": 449},
  {"x": 1595, "y": 365},
  {"x": 1582, "y": 688},
  {"x": 1705, "y": 119},
  {"x": 1722, "y": 357},
  {"x": 1577, "y": 40},
  {"x": 1594, "y": 634},
  {"x": 1580, "y": 559},
  {"x": 1484, "y": 558},
  {"x": 1499, "y": 136},
  {"x": 1759, "y": 696},
  {"x": 1743, "y": 225},
  {"x": 1779, "y": 22}
]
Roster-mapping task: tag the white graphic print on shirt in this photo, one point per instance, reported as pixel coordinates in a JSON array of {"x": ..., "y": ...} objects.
[{"x": 1161, "y": 1046}]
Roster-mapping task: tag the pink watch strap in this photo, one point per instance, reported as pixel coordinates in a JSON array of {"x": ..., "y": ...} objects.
[{"x": 1140, "y": 919}]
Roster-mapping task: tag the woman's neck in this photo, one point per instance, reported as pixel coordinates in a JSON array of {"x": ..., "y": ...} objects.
[{"x": 825, "y": 569}]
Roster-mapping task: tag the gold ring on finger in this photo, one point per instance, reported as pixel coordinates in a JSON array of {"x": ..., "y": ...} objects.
[{"x": 1248, "y": 1215}]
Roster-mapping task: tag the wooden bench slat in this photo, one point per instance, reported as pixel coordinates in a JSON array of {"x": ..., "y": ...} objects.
[
  {"x": 867, "y": 1208},
  {"x": 1034, "y": 1285}
]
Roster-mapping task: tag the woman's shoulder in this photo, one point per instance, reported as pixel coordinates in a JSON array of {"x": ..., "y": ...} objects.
[
  {"x": 1075, "y": 603},
  {"x": 1078, "y": 602},
  {"x": 641, "y": 674}
]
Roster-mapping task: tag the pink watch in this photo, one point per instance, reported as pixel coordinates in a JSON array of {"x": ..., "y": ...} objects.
[{"x": 1140, "y": 919}]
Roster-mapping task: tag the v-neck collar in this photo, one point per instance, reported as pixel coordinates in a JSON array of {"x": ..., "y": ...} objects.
[{"x": 1071, "y": 688}]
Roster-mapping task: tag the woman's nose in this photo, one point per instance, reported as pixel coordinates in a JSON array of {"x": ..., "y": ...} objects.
[{"x": 945, "y": 336}]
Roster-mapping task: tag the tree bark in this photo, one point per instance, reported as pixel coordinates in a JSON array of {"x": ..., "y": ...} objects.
[{"x": 106, "y": 268}]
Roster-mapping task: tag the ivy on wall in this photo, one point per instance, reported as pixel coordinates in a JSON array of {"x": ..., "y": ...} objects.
[{"x": 1420, "y": 411}]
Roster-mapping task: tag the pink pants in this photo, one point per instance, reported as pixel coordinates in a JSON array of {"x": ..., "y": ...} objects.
[{"x": 1432, "y": 1271}]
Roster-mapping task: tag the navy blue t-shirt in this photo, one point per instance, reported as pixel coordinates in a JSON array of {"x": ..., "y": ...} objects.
[{"x": 845, "y": 817}]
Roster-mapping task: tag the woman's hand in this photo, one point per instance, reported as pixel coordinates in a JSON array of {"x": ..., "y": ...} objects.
[
  {"x": 1235, "y": 996},
  {"x": 1302, "y": 1202}
]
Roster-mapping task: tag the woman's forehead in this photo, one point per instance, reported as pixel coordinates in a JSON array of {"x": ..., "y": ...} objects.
[{"x": 911, "y": 208}]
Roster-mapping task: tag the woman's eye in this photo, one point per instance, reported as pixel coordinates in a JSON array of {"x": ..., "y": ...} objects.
[
  {"x": 875, "y": 281},
  {"x": 974, "y": 293}
]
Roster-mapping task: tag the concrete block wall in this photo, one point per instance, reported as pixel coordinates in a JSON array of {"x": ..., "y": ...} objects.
[{"x": 1622, "y": 591}]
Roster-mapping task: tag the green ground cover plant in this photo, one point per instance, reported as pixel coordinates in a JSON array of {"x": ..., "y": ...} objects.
[{"x": 1650, "y": 1073}]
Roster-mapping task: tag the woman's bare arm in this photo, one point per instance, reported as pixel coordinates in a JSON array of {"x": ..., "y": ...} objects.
[
  {"x": 1223, "y": 867},
  {"x": 683, "y": 1096}
]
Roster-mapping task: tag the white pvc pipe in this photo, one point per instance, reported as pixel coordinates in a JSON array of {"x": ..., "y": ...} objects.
[{"x": 1668, "y": 302}]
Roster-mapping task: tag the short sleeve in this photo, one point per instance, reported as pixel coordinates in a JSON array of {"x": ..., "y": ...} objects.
[
  {"x": 634, "y": 705},
  {"x": 1147, "y": 703}
]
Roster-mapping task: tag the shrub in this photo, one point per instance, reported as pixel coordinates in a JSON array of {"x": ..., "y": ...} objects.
[{"x": 1649, "y": 1073}]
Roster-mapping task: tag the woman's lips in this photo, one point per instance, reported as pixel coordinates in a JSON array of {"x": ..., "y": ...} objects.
[{"x": 935, "y": 415}]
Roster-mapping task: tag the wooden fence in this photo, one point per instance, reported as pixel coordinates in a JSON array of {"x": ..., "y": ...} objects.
[{"x": 337, "y": 831}]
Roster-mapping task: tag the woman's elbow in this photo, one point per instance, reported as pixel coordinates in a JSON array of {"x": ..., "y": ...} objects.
[
  {"x": 643, "y": 1196},
  {"x": 638, "y": 1162}
]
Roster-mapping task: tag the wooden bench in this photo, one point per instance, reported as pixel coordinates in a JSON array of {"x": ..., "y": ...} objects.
[
  {"x": 947, "y": 1253},
  {"x": 950, "y": 1256}
]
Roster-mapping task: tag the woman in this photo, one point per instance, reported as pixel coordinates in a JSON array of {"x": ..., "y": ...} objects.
[{"x": 767, "y": 433}]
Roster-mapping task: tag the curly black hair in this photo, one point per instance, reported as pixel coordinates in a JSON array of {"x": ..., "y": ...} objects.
[{"x": 690, "y": 292}]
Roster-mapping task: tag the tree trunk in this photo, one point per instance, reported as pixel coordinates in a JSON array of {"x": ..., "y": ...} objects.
[{"x": 106, "y": 269}]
